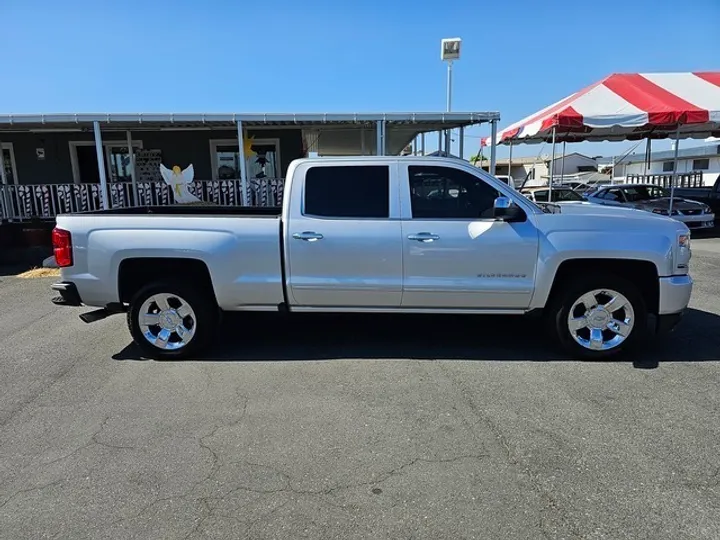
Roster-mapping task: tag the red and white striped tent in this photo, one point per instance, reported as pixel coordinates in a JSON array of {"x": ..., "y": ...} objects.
[{"x": 627, "y": 106}]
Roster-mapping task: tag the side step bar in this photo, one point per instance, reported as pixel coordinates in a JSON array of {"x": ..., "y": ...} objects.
[{"x": 102, "y": 313}]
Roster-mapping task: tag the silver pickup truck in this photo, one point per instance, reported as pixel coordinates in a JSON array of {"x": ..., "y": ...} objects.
[{"x": 379, "y": 235}]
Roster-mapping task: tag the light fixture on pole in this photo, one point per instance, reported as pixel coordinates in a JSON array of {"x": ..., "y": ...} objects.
[{"x": 449, "y": 52}]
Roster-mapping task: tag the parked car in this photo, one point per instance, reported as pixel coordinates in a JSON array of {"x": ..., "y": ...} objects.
[
  {"x": 509, "y": 180},
  {"x": 559, "y": 194},
  {"x": 655, "y": 199},
  {"x": 377, "y": 235},
  {"x": 582, "y": 187},
  {"x": 707, "y": 195}
]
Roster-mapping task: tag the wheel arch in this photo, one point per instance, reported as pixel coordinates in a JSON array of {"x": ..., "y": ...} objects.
[
  {"x": 136, "y": 272},
  {"x": 643, "y": 274}
]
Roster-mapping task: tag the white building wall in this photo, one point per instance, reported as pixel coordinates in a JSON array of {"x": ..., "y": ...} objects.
[
  {"x": 684, "y": 166},
  {"x": 572, "y": 162}
]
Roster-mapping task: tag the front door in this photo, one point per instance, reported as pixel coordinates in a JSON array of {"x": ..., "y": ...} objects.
[
  {"x": 343, "y": 241},
  {"x": 455, "y": 254}
]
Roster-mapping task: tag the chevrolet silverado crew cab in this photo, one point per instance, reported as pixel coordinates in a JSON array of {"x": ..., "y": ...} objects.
[{"x": 379, "y": 235}]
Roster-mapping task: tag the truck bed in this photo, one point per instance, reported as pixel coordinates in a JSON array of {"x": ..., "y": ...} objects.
[{"x": 189, "y": 210}]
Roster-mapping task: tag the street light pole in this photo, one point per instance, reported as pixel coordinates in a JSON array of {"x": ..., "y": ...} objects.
[
  {"x": 449, "y": 86},
  {"x": 449, "y": 51}
]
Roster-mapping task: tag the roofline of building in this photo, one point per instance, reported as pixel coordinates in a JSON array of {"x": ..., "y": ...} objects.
[
  {"x": 457, "y": 119},
  {"x": 709, "y": 150}
]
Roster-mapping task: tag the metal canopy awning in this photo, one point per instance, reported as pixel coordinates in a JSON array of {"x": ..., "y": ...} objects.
[
  {"x": 350, "y": 131},
  {"x": 132, "y": 120}
]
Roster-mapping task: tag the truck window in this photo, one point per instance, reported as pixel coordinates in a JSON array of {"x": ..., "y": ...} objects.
[
  {"x": 445, "y": 192},
  {"x": 361, "y": 191}
]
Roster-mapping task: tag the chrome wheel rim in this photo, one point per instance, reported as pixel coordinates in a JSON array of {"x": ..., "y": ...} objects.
[
  {"x": 601, "y": 320},
  {"x": 167, "y": 321}
]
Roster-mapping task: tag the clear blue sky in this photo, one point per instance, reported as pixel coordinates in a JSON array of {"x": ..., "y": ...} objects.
[{"x": 338, "y": 56}]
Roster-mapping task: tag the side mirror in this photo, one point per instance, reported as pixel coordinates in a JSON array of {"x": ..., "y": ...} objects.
[{"x": 506, "y": 210}]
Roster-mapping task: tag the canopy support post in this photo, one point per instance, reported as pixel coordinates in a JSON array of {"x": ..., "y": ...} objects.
[
  {"x": 101, "y": 165},
  {"x": 422, "y": 144},
  {"x": 493, "y": 145},
  {"x": 462, "y": 142},
  {"x": 562, "y": 164},
  {"x": 552, "y": 166},
  {"x": 675, "y": 164},
  {"x": 380, "y": 150},
  {"x": 133, "y": 176},
  {"x": 243, "y": 164},
  {"x": 6, "y": 203}
]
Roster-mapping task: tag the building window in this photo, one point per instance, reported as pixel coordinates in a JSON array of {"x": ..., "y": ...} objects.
[
  {"x": 264, "y": 162},
  {"x": 83, "y": 159},
  {"x": 668, "y": 166},
  {"x": 8, "y": 155},
  {"x": 348, "y": 192},
  {"x": 701, "y": 164}
]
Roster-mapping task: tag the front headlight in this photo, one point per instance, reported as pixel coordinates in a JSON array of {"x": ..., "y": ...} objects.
[
  {"x": 660, "y": 211},
  {"x": 684, "y": 240},
  {"x": 706, "y": 209}
]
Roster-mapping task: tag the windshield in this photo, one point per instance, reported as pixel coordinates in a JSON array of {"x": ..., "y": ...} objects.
[
  {"x": 558, "y": 195},
  {"x": 644, "y": 193}
]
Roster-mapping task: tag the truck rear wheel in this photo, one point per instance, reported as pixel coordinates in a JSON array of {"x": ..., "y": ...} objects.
[
  {"x": 598, "y": 316},
  {"x": 170, "y": 320}
]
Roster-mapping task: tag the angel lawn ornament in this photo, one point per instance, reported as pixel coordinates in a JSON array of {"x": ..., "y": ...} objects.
[{"x": 178, "y": 180}]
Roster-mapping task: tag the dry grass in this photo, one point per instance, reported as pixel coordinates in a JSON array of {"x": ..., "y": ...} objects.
[{"x": 40, "y": 273}]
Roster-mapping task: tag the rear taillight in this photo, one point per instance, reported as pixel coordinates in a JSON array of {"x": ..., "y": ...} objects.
[{"x": 62, "y": 247}]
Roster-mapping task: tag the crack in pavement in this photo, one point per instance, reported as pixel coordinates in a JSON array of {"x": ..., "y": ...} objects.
[
  {"x": 214, "y": 467},
  {"x": 509, "y": 455},
  {"x": 24, "y": 403},
  {"x": 28, "y": 490}
]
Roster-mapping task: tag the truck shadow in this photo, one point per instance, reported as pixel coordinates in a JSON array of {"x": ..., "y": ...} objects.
[{"x": 272, "y": 337}]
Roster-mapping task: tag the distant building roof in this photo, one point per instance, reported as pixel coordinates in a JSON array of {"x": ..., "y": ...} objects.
[
  {"x": 529, "y": 160},
  {"x": 710, "y": 150}
]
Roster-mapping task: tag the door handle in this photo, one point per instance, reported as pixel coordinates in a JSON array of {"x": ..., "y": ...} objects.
[
  {"x": 308, "y": 236},
  {"x": 424, "y": 237}
]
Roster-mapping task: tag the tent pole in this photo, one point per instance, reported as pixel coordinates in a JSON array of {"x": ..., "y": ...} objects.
[
  {"x": 422, "y": 144},
  {"x": 552, "y": 166},
  {"x": 562, "y": 164},
  {"x": 674, "y": 176},
  {"x": 510, "y": 166},
  {"x": 493, "y": 145},
  {"x": 648, "y": 153}
]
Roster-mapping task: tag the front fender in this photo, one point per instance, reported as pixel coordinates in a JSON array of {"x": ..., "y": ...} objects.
[{"x": 558, "y": 246}]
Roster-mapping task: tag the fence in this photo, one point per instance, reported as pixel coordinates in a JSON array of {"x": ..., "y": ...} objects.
[
  {"x": 686, "y": 180},
  {"x": 45, "y": 201}
]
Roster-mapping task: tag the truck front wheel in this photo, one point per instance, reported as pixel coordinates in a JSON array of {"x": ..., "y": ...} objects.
[
  {"x": 598, "y": 316},
  {"x": 171, "y": 320}
]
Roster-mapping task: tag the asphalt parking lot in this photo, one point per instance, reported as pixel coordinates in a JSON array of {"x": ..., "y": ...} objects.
[{"x": 356, "y": 427}]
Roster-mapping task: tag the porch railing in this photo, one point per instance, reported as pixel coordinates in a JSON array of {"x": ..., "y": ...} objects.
[
  {"x": 45, "y": 201},
  {"x": 685, "y": 180}
]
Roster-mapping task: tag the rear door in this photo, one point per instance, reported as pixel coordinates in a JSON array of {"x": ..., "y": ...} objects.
[
  {"x": 343, "y": 236},
  {"x": 456, "y": 256}
]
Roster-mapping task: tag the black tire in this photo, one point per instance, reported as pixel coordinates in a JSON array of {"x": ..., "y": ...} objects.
[
  {"x": 563, "y": 300},
  {"x": 205, "y": 320}
]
